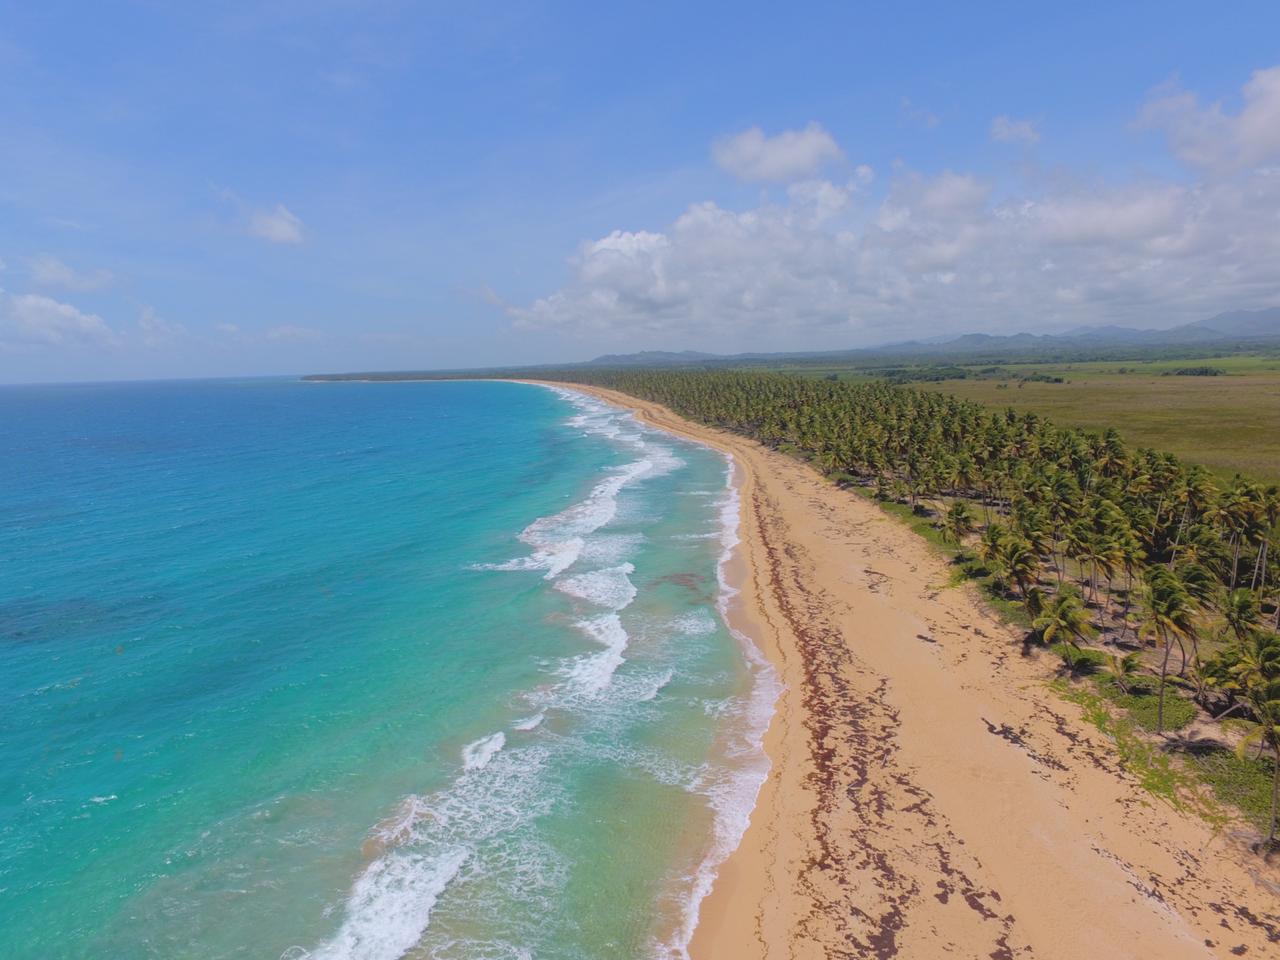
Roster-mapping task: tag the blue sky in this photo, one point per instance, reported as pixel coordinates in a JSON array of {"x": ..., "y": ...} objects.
[{"x": 276, "y": 187}]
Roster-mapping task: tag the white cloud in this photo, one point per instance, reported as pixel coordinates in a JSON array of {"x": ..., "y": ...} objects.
[
  {"x": 48, "y": 271},
  {"x": 1129, "y": 214},
  {"x": 790, "y": 155},
  {"x": 821, "y": 198},
  {"x": 278, "y": 225},
  {"x": 1208, "y": 137},
  {"x": 832, "y": 264},
  {"x": 33, "y": 319},
  {"x": 1005, "y": 129}
]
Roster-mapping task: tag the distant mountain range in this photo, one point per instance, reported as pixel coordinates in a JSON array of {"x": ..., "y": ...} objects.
[
  {"x": 1236, "y": 329},
  {"x": 1235, "y": 332}
]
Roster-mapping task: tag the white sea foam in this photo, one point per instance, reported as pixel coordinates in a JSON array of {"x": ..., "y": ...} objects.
[
  {"x": 466, "y": 830},
  {"x": 655, "y": 687},
  {"x": 590, "y": 674},
  {"x": 610, "y": 549},
  {"x": 558, "y": 540},
  {"x": 477, "y": 754},
  {"x": 395, "y": 829},
  {"x": 554, "y": 557},
  {"x": 731, "y": 790},
  {"x": 530, "y": 723},
  {"x": 696, "y": 623},
  {"x": 390, "y": 906},
  {"x": 610, "y": 588}
]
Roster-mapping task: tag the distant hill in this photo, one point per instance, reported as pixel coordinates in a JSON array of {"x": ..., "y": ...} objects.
[
  {"x": 1243, "y": 323},
  {"x": 652, "y": 358},
  {"x": 1227, "y": 330},
  {"x": 1234, "y": 332}
]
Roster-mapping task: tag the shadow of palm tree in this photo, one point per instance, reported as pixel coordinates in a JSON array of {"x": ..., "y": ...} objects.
[{"x": 1195, "y": 746}]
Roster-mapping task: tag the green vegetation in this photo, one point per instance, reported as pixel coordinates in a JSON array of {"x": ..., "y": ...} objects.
[
  {"x": 1097, "y": 545},
  {"x": 1243, "y": 782},
  {"x": 1154, "y": 768},
  {"x": 1229, "y": 422},
  {"x": 1195, "y": 372},
  {"x": 1141, "y": 704},
  {"x": 1222, "y": 411}
]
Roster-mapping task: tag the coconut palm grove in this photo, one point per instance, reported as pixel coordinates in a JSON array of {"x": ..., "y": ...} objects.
[{"x": 1157, "y": 583}]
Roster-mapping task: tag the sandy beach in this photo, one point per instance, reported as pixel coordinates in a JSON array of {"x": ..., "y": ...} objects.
[{"x": 929, "y": 796}]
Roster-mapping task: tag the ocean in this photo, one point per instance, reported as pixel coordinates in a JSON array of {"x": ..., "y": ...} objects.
[{"x": 363, "y": 670}]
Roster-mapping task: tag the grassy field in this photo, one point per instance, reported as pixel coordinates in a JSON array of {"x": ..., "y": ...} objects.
[{"x": 1229, "y": 423}]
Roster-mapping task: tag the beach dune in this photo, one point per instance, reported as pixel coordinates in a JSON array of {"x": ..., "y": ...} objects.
[{"x": 929, "y": 796}]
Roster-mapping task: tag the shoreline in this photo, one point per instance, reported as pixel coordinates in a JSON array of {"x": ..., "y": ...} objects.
[
  {"x": 926, "y": 794},
  {"x": 735, "y": 610}
]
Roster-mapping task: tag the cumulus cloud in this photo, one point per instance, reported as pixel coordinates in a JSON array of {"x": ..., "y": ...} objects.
[
  {"x": 834, "y": 264},
  {"x": 1209, "y": 137},
  {"x": 792, "y": 154},
  {"x": 278, "y": 225},
  {"x": 32, "y": 319},
  {"x": 48, "y": 271},
  {"x": 1005, "y": 129}
]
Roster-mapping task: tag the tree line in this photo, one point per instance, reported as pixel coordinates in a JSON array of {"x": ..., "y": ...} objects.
[{"x": 1094, "y": 538}]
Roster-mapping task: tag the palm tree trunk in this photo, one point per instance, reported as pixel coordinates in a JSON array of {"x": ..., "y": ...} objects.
[
  {"x": 1178, "y": 539},
  {"x": 1128, "y": 602},
  {"x": 1275, "y": 794},
  {"x": 1164, "y": 672},
  {"x": 1238, "y": 705}
]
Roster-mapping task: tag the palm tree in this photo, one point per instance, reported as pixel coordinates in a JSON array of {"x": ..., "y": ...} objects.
[
  {"x": 991, "y": 544},
  {"x": 1258, "y": 675},
  {"x": 1122, "y": 669},
  {"x": 1168, "y": 615},
  {"x": 958, "y": 523},
  {"x": 1196, "y": 493},
  {"x": 1131, "y": 557},
  {"x": 1065, "y": 617},
  {"x": 1020, "y": 563},
  {"x": 1240, "y": 612}
]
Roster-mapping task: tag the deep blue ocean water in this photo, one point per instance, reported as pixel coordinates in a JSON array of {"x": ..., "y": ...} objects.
[{"x": 362, "y": 670}]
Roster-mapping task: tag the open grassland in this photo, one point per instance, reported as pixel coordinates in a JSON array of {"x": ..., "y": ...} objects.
[{"x": 1228, "y": 423}]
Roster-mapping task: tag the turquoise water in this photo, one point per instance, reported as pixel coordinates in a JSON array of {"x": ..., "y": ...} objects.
[{"x": 428, "y": 670}]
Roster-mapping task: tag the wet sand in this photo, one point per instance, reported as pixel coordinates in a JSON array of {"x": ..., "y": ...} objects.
[{"x": 929, "y": 796}]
